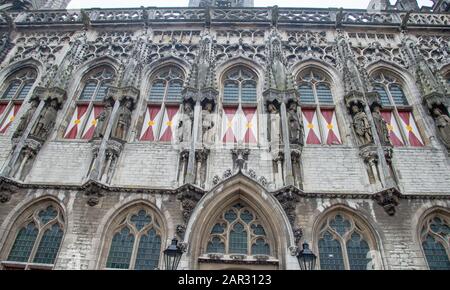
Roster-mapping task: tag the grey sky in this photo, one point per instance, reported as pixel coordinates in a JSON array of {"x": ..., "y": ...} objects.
[{"x": 75, "y": 4}]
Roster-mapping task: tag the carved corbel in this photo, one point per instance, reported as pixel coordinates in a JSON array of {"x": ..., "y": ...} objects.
[
  {"x": 289, "y": 197},
  {"x": 7, "y": 189},
  {"x": 388, "y": 199},
  {"x": 189, "y": 196},
  {"x": 94, "y": 191},
  {"x": 240, "y": 158}
]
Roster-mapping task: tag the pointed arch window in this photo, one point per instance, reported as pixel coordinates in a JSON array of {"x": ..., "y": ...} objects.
[
  {"x": 163, "y": 105},
  {"x": 397, "y": 112},
  {"x": 239, "y": 105},
  {"x": 37, "y": 240},
  {"x": 344, "y": 243},
  {"x": 435, "y": 237},
  {"x": 319, "y": 113},
  {"x": 90, "y": 103},
  {"x": 16, "y": 89},
  {"x": 239, "y": 231},
  {"x": 135, "y": 241}
]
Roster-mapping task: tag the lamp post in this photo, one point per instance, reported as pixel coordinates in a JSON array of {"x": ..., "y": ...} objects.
[
  {"x": 306, "y": 258},
  {"x": 172, "y": 255}
]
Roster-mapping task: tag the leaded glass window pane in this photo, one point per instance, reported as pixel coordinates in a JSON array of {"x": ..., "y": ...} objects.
[
  {"x": 330, "y": 253},
  {"x": 324, "y": 94},
  {"x": 24, "y": 243},
  {"x": 218, "y": 229},
  {"x": 246, "y": 216},
  {"x": 436, "y": 255},
  {"x": 141, "y": 219},
  {"x": 101, "y": 93},
  {"x": 215, "y": 246},
  {"x": 157, "y": 91},
  {"x": 238, "y": 240},
  {"x": 230, "y": 215},
  {"x": 174, "y": 91},
  {"x": 340, "y": 225},
  {"x": 260, "y": 247},
  {"x": 258, "y": 230},
  {"x": 25, "y": 90},
  {"x": 358, "y": 253},
  {"x": 306, "y": 93},
  {"x": 11, "y": 90},
  {"x": 249, "y": 92},
  {"x": 49, "y": 245},
  {"x": 383, "y": 94},
  {"x": 89, "y": 90},
  {"x": 121, "y": 249},
  {"x": 149, "y": 251},
  {"x": 48, "y": 214},
  {"x": 231, "y": 92},
  {"x": 398, "y": 95}
]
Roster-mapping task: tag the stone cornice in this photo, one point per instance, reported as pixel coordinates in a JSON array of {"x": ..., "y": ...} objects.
[{"x": 284, "y": 16}]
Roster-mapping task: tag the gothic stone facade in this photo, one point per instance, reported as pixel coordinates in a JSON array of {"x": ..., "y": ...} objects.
[{"x": 242, "y": 132}]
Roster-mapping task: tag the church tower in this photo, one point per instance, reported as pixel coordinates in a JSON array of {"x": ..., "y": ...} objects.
[{"x": 221, "y": 3}]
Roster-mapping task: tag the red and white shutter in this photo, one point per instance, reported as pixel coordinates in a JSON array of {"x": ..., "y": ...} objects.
[
  {"x": 150, "y": 126},
  {"x": 394, "y": 130},
  {"x": 230, "y": 124},
  {"x": 410, "y": 128},
  {"x": 249, "y": 125},
  {"x": 2, "y": 109},
  {"x": 330, "y": 127},
  {"x": 77, "y": 120},
  {"x": 168, "y": 123},
  {"x": 9, "y": 118},
  {"x": 312, "y": 133},
  {"x": 91, "y": 123}
]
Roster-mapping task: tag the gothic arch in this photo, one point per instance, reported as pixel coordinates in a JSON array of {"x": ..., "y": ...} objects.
[
  {"x": 21, "y": 215},
  {"x": 104, "y": 230},
  {"x": 328, "y": 70},
  {"x": 239, "y": 188},
  {"x": 368, "y": 230},
  {"x": 249, "y": 64},
  {"x": 18, "y": 65}
]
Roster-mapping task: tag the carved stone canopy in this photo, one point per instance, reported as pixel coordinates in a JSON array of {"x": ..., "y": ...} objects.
[
  {"x": 123, "y": 94},
  {"x": 48, "y": 94},
  {"x": 436, "y": 100},
  {"x": 374, "y": 100},
  {"x": 354, "y": 98},
  {"x": 274, "y": 95}
]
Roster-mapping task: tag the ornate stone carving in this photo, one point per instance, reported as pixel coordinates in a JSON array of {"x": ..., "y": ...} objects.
[
  {"x": 361, "y": 125},
  {"x": 25, "y": 120},
  {"x": 298, "y": 234},
  {"x": 7, "y": 189},
  {"x": 103, "y": 119},
  {"x": 380, "y": 124},
  {"x": 185, "y": 124},
  {"x": 189, "y": 197},
  {"x": 240, "y": 158},
  {"x": 438, "y": 106},
  {"x": 289, "y": 197},
  {"x": 274, "y": 127},
  {"x": 208, "y": 125},
  {"x": 388, "y": 199},
  {"x": 94, "y": 191},
  {"x": 370, "y": 156},
  {"x": 123, "y": 123},
  {"x": 296, "y": 129}
]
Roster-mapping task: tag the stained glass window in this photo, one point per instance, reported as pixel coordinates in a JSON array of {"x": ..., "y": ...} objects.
[
  {"x": 435, "y": 241},
  {"x": 137, "y": 243},
  {"x": 344, "y": 244},
  {"x": 39, "y": 240},
  {"x": 238, "y": 230}
]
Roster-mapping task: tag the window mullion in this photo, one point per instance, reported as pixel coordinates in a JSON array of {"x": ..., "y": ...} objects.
[
  {"x": 36, "y": 244},
  {"x": 137, "y": 239},
  {"x": 19, "y": 90},
  {"x": 397, "y": 116},
  {"x": 343, "y": 243},
  {"x": 318, "y": 114}
]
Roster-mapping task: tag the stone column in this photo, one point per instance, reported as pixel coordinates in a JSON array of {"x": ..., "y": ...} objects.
[{"x": 288, "y": 176}]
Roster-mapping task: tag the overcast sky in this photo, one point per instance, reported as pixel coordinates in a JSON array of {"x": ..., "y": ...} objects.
[{"x": 75, "y": 4}]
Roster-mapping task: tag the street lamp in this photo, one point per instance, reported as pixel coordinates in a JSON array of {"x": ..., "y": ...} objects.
[
  {"x": 172, "y": 255},
  {"x": 306, "y": 258}
]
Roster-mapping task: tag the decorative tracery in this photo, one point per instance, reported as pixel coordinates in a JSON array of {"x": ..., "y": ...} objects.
[
  {"x": 238, "y": 230},
  {"x": 435, "y": 238},
  {"x": 136, "y": 241},
  {"x": 38, "y": 238},
  {"x": 344, "y": 244}
]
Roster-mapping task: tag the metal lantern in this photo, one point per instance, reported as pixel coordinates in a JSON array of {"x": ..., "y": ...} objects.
[
  {"x": 306, "y": 258},
  {"x": 172, "y": 255}
]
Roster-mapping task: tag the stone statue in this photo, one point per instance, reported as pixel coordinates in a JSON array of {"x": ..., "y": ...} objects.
[
  {"x": 46, "y": 120},
  {"x": 442, "y": 125},
  {"x": 123, "y": 120},
  {"x": 26, "y": 118},
  {"x": 102, "y": 121},
  {"x": 185, "y": 124},
  {"x": 208, "y": 124},
  {"x": 381, "y": 126},
  {"x": 279, "y": 72},
  {"x": 295, "y": 125},
  {"x": 274, "y": 124},
  {"x": 362, "y": 126}
]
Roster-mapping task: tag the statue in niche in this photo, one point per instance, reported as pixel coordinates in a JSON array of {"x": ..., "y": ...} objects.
[
  {"x": 26, "y": 118},
  {"x": 185, "y": 124},
  {"x": 442, "y": 125},
  {"x": 208, "y": 124},
  {"x": 123, "y": 120},
  {"x": 361, "y": 125},
  {"x": 278, "y": 67},
  {"x": 295, "y": 125},
  {"x": 274, "y": 124},
  {"x": 381, "y": 126},
  {"x": 46, "y": 120},
  {"x": 102, "y": 121}
]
